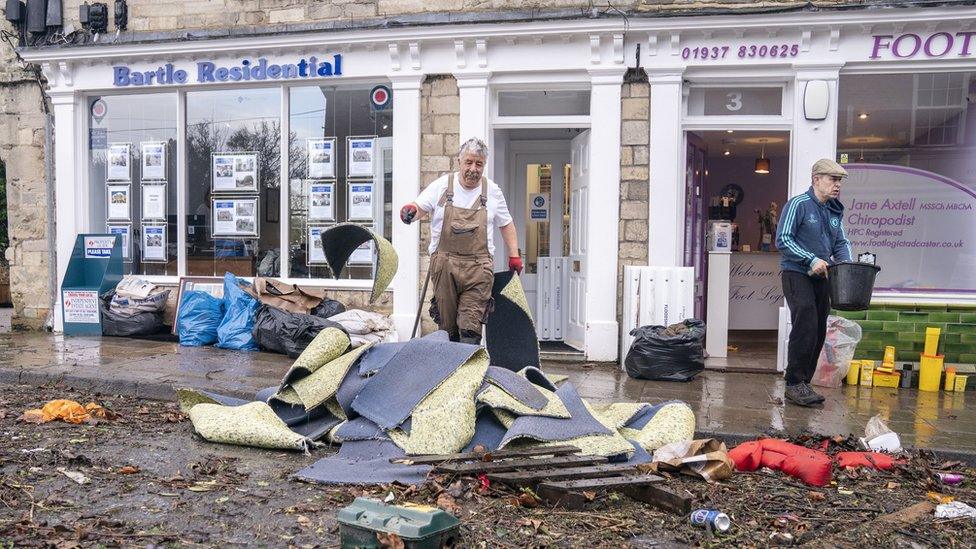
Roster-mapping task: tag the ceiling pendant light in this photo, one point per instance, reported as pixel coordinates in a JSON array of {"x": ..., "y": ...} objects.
[{"x": 762, "y": 163}]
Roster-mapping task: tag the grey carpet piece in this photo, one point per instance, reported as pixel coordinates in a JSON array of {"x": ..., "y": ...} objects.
[
  {"x": 640, "y": 456},
  {"x": 351, "y": 386},
  {"x": 378, "y": 356},
  {"x": 536, "y": 376},
  {"x": 580, "y": 424},
  {"x": 265, "y": 394},
  {"x": 359, "y": 429},
  {"x": 488, "y": 431},
  {"x": 223, "y": 399},
  {"x": 642, "y": 417},
  {"x": 420, "y": 366},
  {"x": 364, "y": 462},
  {"x": 510, "y": 332},
  {"x": 313, "y": 424},
  {"x": 517, "y": 386}
]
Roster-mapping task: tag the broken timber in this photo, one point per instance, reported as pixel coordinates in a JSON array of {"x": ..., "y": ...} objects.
[
  {"x": 487, "y": 456},
  {"x": 516, "y": 464}
]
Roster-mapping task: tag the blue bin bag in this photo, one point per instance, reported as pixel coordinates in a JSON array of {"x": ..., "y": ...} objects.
[
  {"x": 199, "y": 317},
  {"x": 238, "y": 323}
]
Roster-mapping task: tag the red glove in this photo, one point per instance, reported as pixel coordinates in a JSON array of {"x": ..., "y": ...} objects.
[
  {"x": 407, "y": 213},
  {"x": 515, "y": 264}
]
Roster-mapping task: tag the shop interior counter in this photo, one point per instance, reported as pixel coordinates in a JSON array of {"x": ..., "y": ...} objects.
[{"x": 755, "y": 290}]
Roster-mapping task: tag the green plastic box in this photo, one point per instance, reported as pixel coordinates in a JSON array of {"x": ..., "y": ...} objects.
[{"x": 420, "y": 527}]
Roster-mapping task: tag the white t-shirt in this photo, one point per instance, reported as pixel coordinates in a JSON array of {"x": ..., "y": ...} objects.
[{"x": 498, "y": 215}]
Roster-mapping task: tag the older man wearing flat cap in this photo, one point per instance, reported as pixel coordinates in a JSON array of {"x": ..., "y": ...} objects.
[{"x": 810, "y": 236}]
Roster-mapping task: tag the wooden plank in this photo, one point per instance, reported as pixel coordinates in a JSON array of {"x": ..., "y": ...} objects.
[
  {"x": 517, "y": 464},
  {"x": 533, "y": 477},
  {"x": 500, "y": 454},
  {"x": 570, "y": 494}
]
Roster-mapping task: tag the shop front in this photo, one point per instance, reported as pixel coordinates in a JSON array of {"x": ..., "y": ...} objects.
[{"x": 741, "y": 109}]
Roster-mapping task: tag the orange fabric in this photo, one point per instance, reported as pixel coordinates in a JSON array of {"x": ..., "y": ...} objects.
[
  {"x": 746, "y": 456},
  {"x": 813, "y": 468},
  {"x": 66, "y": 410},
  {"x": 873, "y": 460},
  {"x": 808, "y": 465}
]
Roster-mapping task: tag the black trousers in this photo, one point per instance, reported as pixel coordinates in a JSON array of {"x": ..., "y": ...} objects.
[{"x": 808, "y": 298}]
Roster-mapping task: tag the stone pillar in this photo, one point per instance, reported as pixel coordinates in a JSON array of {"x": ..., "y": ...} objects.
[
  {"x": 473, "y": 90},
  {"x": 817, "y": 137},
  {"x": 406, "y": 187},
  {"x": 603, "y": 214},
  {"x": 633, "y": 227},
  {"x": 666, "y": 205}
]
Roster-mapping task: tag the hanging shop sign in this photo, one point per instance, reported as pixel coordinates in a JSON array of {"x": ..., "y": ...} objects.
[
  {"x": 921, "y": 225},
  {"x": 206, "y": 72}
]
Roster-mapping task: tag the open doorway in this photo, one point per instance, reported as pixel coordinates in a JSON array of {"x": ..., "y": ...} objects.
[
  {"x": 533, "y": 167},
  {"x": 739, "y": 180}
]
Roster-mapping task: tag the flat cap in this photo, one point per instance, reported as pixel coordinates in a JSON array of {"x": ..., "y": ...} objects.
[{"x": 826, "y": 166}]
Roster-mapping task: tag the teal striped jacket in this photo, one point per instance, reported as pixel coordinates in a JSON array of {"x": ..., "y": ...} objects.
[{"x": 809, "y": 230}]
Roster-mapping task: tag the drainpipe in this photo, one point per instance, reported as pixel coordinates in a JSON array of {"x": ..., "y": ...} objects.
[{"x": 52, "y": 256}]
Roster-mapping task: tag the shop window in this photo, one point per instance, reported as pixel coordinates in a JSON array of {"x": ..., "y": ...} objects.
[
  {"x": 233, "y": 172},
  {"x": 544, "y": 103},
  {"x": 132, "y": 176},
  {"x": 735, "y": 101},
  {"x": 341, "y": 170},
  {"x": 909, "y": 143}
]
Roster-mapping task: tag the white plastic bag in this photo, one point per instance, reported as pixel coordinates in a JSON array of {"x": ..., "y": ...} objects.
[{"x": 842, "y": 338}]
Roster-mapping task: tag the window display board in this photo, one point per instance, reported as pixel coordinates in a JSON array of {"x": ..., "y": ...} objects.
[
  {"x": 321, "y": 158},
  {"x": 316, "y": 254},
  {"x": 119, "y": 162},
  {"x": 154, "y": 244},
  {"x": 235, "y": 217},
  {"x": 360, "y": 206},
  {"x": 154, "y": 161},
  {"x": 119, "y": 207},
  {"x": 234, "y": 172},
  {"x": 360, "y": 155},
  {"x": 321, "y": 201},
  {"x": 154, "y": 201},
  {"x": 213, "y": 285},
  {"x": 125, "y": 231}
]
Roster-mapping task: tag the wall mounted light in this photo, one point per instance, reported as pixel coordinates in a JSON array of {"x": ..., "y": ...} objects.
[{"x": 762, "y": 163}]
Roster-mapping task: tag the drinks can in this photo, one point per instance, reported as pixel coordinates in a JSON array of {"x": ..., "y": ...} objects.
[
  {"x": 711, "y": 519},
  {"x": 950, "y": 478}
]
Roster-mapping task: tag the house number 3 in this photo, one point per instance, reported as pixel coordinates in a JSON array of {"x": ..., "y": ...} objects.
[{"x": 734, "y": 101}]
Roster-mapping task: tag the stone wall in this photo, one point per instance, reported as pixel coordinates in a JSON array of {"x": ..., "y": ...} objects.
[
  {"x": 22, "y": 130},
  {"x": 634, "y": 209},
  {"x": 439, "y": 126}
]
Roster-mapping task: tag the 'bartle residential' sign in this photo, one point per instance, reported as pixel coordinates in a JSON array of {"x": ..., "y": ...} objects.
[{"x": 248, "y": 70}]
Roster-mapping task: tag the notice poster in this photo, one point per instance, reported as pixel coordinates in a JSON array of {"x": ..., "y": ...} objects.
[
  {"x": 316, "y": 254},
  {"x": 119, "y": 162},
  {"x": 362, "y": 255},
  {"x": 80, "y": 306},
  {"x": 235, "y": 172},
  {"x": 235, "y": 217},
  {"x": 921, "y": 225},
  {"x": 119, "y": 202},
  {"x": 154, "y": 161},
  {"x": 154, "y": 202},
  {"x": 125, "y": 232},
  {"x": 154, "y": 243},
  {"x": 321, "y": 201},
  {"x": 321, "y": 158},
  {"x": 360, "y": 201},
  {"x": 360, "y": 156}
]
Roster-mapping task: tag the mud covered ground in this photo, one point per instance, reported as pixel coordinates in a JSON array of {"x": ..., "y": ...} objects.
[{"x": 148, "y": 481}]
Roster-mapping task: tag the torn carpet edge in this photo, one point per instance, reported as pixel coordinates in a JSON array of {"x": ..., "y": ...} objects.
[
  {"x": 359, "y": 429},
  {"x": 618, "y": 414},
  {"x": 444, "y": 421},
  {"x": 409, "y": 377},
  {"x": 517, "y": 387},
  {"x": 546, "y": 429},
  {"x": 252, "y": 424},
  {"x": 321, "y": 386},
  {"x": 536, "y": 377},
  {"x": 379, "y": 356},
  {"x": 340, "y": 241},
  {"x": 364, "y": 463},
  {"x": 189, "y": 397},
  {"x": 662, "y": 424},
  {"x": 510, "y": 334},
  {"x": 495, "y": 397},
  {"x": 328, "y": 345}
]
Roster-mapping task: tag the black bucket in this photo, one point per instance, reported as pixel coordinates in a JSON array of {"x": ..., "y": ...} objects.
[{"x": 851, "y": 285}]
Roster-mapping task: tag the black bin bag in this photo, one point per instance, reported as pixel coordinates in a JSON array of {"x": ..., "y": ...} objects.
[
  {"x": 673, "y": 353},
  {"x": 140, "y": 324},
  {"x": 287, "y": 333}
]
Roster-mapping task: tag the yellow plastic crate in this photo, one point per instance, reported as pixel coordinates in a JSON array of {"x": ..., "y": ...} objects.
[{"x": 882, "y": 379}]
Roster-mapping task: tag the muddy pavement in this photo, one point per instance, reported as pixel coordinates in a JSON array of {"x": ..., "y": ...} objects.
[{"x": 146, "y": 480}]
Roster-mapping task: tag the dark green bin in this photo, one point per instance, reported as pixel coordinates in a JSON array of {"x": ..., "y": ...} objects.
[{"x": 418, "y": 527}]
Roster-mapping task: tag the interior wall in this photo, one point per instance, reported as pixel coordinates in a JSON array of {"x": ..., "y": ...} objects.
[{"x": 758, "y": 190}]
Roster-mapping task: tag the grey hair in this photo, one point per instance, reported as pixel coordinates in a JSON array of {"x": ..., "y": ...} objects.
[{"x": 474, "y": 145}]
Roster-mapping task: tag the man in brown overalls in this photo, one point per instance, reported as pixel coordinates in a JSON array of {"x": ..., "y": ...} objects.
[{"x": 465, "y": 207}]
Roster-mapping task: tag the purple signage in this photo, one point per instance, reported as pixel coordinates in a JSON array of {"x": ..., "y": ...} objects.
[{"x": 909, "y": 45}]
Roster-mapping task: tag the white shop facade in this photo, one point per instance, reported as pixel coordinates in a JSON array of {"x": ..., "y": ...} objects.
[{"x": 232, "y": 154}]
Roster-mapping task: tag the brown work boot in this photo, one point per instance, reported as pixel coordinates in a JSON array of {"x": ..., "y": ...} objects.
[
  {"x": 820, "y": 398},
  {"x": 801, "y": 395}
]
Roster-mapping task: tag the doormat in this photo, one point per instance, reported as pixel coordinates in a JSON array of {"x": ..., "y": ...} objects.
[{"x": 510, "y": 332}]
